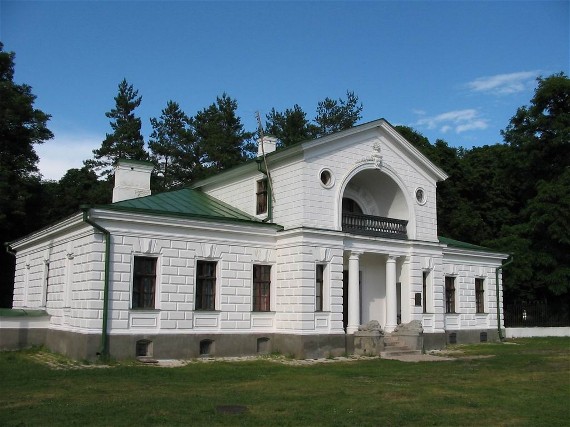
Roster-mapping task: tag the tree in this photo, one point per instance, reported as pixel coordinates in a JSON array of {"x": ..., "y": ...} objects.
[
  {"x": 539, "y": 136},
  {"x": 220, "y": 136},
  {"x": 21, "y": 127},
  {"x": 416, "y": 139},
  {"x": 126, "y": 141},
  {"x": 336, "y": 115},
  {"x": 290, "y": 127},
  {"x": 173, "y": 147},
  {"x": 77, "y": 187}
]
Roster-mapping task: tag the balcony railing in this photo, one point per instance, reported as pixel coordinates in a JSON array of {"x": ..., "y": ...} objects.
[{"x": 374, "y": 226}]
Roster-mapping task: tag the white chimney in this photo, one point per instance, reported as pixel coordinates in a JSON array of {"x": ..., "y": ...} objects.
[
  {"x": 269, "y": 145},
  {"x": 132, "y": 180}
]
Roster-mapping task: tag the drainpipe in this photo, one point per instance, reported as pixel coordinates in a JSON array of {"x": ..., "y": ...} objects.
[
  {"x": 497, "y": 292},
  {"x": 104, "y": 350},
  {"x": 269, "y": 193}
]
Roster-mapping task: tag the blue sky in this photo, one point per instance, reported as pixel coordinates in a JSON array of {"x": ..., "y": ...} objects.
[{"x": 455, "y": 70}]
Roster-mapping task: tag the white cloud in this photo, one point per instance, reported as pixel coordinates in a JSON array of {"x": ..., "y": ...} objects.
[
  {"x": 504, "y": 84},
  {"x": 458, "y": 121},
  {"x": 65, "y": 151}
]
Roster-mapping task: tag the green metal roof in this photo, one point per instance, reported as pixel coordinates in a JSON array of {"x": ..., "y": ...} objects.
[
  {"x": 185, "y": 203},
  {"x": 462, "y": 245}
]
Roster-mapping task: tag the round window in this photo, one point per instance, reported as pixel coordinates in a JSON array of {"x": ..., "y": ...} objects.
[
  {"x": 327, "y": 179},
  {"x": 421, "y": 196}
]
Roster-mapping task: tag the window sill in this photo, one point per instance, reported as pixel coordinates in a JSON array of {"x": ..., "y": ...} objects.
[
  {"x": 146, "y": 310},
  {"x": 203, "y": 310},
  {"x": 262, "y": 312}
]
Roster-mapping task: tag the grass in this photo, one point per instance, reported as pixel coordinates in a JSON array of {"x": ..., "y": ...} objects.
[{"x": 522, "y": 383}]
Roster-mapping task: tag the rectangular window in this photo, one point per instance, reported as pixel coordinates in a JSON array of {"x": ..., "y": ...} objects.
[
  {"x": 205, "y": 285},
  {"x": 144, "y": 282},
  {"x": 319, "y": 283},
  {"x": 261, "y": 197},
  {"x": 261, "y": 287},
  {"x": 424, "y": 291},
  {"x": 449, "y": 294},
  {"x": 479, "y": 293}
]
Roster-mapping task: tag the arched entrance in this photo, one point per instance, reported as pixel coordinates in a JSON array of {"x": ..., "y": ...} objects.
[{"x": 373, "y": 202}]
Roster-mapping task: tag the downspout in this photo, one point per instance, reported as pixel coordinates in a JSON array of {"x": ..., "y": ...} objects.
[
  {"x": 497, "y": 292},
  {"x": 104, "y": 350},
  {"x": 269, "y": 193}
]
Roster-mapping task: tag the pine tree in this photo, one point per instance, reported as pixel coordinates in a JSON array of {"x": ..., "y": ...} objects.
[
  {"x": 21, "y": 127},
  {"x": 220, "y": 135},
  {"x": 290, "y": 127},
  {"x": 336, "y": 115},
  {"x": 173, "y": 147},
  {"x": 126, "y": 141}
]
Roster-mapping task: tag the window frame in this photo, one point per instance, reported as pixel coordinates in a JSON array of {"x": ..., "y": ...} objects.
[
  {"x": 261, "y": 196},
  {"x": 320, "y": 287},
  {"x": 450, "y": 295},
  {"x": 138, "y": 300},
  {"x": 479, "y": 295},
  {"x": 205, "y": 301},
  {"x": 260, "y": 301}
]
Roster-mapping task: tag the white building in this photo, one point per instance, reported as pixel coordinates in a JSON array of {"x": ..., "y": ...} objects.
[{"x": 343, "y": 230}]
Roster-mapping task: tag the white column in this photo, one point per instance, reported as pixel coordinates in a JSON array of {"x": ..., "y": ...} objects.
[
  {"x": 353, "y": 293},
  {"x": 391, "y": 302}
]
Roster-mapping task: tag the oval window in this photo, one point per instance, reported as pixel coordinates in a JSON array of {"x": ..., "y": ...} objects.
[
  {"x": 326, "y": 178},
  {"x": 421, "y": 196}
]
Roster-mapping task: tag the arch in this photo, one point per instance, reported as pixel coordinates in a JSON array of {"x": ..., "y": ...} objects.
[{"x": 390, "y": 173}]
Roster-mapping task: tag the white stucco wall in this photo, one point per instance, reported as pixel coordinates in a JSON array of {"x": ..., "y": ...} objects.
[{"x": 302, "y": 200}]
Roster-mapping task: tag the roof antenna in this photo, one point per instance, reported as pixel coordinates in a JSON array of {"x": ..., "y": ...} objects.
[{"x": 263, "y": 154}]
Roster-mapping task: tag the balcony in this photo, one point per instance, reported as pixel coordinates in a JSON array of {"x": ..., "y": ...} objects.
[{"x": 370, "y": 225}]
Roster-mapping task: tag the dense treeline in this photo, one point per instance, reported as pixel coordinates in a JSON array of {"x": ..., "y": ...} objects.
[{"x": 513, "y": 197}]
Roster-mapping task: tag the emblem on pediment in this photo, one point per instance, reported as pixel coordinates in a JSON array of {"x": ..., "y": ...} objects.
[{"x": 375, "y": 157}]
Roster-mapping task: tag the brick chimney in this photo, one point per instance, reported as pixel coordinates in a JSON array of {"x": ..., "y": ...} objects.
[
  {"x": 269, "y": 145},
  {"x": 132, "y": 180}
]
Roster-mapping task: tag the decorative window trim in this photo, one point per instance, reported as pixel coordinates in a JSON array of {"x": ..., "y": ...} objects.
[
  {"x": 450, "y": 293},
  {"x": 326, "y": 178},
  {"x": 134, "y": 276},
  {"x": 261, "y": 197},
  {"x": 479, "y": 295},
  {"x": 421, "y": 196},
  {"x": 320, "y": 287},
  {"x": 198, "y": 303},
  {"x": 263, "y": 301}
]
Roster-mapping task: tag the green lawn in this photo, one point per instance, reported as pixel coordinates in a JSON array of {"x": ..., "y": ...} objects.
[{"x": 524, "y": 382}]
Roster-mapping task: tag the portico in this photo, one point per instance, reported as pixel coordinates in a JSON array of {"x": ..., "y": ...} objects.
[{"x": 372, "y": 290}]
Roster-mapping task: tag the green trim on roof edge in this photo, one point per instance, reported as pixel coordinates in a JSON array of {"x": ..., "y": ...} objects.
[
  {"x": 186, "y": 203},
  {"x": 463, "y": 245}
]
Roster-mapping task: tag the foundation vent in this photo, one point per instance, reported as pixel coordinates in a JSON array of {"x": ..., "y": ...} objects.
[{"x": 206, "y": 348}]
